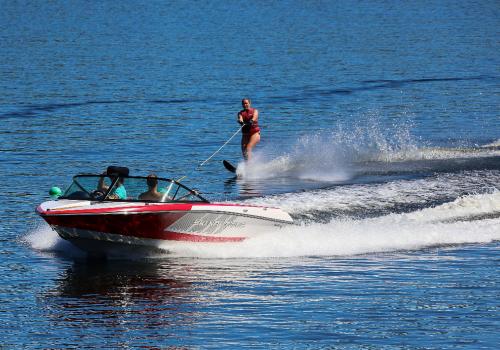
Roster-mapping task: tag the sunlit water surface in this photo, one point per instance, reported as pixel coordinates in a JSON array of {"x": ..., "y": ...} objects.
[{"x": 380, "y": 136}]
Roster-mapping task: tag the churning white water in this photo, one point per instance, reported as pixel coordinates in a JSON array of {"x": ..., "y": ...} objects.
[{"x": 468, "y": 219}]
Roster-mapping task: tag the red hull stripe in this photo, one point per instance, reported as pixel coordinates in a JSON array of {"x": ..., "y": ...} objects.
[
  {"x": 137, "y": 208},
  {"x": 121, "y": 210},
  {"x": 146, "y": 225}
]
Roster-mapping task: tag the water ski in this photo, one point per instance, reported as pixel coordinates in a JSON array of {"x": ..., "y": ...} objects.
[{"x": 229, "y": 166}]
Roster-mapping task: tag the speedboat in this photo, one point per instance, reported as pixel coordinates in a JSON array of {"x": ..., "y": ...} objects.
[{"x": 99, "y": 213}]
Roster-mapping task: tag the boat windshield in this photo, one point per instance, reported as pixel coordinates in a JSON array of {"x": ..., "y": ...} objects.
[{"x": 130, "y": 188}]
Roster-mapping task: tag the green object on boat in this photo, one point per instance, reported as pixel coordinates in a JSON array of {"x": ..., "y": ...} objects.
[{"x": 55, "y": 191}]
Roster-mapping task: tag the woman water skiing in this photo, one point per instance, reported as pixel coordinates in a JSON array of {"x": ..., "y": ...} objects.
[{"x": 249, "y": 118}]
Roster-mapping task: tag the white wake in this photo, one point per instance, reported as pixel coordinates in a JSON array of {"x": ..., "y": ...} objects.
[{"x": 468, "y": 219}]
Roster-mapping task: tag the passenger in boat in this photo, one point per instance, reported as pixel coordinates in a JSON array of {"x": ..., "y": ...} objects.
[
  {"x": 118, "y": 192},
  {"x": 152, "y": 193},
  {"x": 248, "y": 117}
]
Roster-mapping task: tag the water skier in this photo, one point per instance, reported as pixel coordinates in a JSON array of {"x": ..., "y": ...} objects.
[{"x": 249, "y": 118}]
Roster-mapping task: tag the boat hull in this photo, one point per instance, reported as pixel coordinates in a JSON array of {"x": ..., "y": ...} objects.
[{"x": 99, "y": 227}]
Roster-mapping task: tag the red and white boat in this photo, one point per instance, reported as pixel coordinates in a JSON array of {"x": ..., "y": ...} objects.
[{"x": 91, "y": 215}]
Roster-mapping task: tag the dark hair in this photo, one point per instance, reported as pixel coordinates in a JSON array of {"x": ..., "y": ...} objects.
[
  {"x": 246, "y": 99},
  {"x": 152, "y": 180}
]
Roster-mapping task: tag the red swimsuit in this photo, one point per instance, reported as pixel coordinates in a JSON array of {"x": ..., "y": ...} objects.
[{"x": 247, "y": 116}]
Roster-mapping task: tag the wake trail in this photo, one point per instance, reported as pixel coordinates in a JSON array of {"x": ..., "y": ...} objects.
[
  {"x": 468, "y": 219},
  {"x": 368, "y": 148},
  {"x": 459, "y": 222},
  {"x": 361, "y": 200}
]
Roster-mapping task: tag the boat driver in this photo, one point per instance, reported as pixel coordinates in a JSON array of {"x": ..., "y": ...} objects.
[{"x": 118, "y": 191}]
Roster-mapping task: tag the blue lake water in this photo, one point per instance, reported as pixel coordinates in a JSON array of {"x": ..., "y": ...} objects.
[{"x": 380, "y": 135}]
